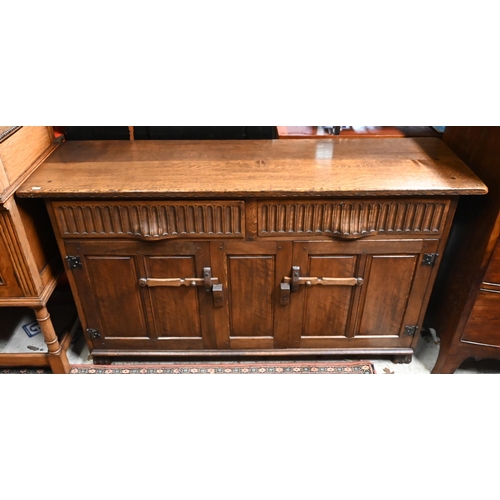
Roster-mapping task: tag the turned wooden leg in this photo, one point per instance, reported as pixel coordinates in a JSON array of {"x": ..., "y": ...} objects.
[
  {"x": 58, "y": 360},
  {"x": 402, "y": 359}
]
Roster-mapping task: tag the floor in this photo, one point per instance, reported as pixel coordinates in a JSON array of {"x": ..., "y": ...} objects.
[
  {"x": 422, "y": 363},
  {"x": 19, "y": 332}
]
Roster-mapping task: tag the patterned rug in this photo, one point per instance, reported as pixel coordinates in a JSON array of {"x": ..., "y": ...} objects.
[{"x": 209, "y": 368}]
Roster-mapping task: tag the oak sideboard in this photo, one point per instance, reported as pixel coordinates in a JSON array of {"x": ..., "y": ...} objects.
[{"x": 234, "y": 248}]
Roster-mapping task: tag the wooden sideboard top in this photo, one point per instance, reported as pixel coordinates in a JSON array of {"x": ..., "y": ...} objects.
[{"x": 263, "y": 168}]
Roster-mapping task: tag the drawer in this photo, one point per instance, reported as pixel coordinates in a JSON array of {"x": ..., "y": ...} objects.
[
  {"x": 150, "y": 219},
  {"x": 352, "y": 218},
  {"x": 483, "y": 326}
]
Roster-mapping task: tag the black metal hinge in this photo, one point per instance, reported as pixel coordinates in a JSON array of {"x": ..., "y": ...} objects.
[
  {"x": 430, "y": 259},
  {"x": 95, "y": 334},
  {"x": 410, "y": 330},
  {"x": 73, "y": 262}
]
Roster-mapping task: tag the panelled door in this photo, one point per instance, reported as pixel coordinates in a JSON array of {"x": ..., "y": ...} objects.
[
  {"x": 183, "y": 295},
  {"x": 138, "y": 295},
  {"x": 253, "y": 316},
  {"x": 357, "y": 293}
]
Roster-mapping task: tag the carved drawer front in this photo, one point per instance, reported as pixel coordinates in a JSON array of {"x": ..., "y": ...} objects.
[
  {"x": 150, "y": 220},
  {"x": 351, "y": 218}
]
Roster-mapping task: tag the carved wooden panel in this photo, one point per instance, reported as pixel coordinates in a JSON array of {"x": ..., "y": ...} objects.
[
  {"x": 145, "y": 220},
  {"x": 14, "y": 268},
  {"x": 9, "y": 286},
  {"x": 351, "y": 218}
]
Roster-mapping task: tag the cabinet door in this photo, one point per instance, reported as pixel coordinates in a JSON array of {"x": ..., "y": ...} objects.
[
  {"x": 376, "y": 289},
  {"x": 252, "y": 317},
  {"x": 132, "y": 297}
]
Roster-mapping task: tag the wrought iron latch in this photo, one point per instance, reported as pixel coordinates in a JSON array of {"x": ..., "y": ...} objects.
[
  {"x": 430, "y": 259},
  {"x": 284, "y": 294},
  {"x": 73, "y": 261},
  {"x": 95, "y": 334},
  {"x": 410, "y": 330}
]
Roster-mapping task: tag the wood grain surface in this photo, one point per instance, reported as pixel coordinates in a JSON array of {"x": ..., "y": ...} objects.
[{"x": 329, "y": 167}]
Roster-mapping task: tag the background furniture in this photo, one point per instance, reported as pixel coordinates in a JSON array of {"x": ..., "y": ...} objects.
[
  {"x": 369, "y": 132},
  {"x": 177, "y": 248},
  {"x": 465, "y": 305},
  {"x": 166, "y": 133},
  {"x": 238, "y": 133},
  {"x": 30, "y": 264}
]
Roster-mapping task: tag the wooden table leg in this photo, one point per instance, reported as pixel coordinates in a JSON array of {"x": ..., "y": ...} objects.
[{"x": 58, "y": 359}]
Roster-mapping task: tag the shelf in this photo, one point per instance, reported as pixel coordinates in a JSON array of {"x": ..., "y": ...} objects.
[{"x": 21, "y": 340}]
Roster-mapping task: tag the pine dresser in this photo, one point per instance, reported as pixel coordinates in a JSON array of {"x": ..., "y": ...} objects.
[{"x": 30, "y": 264}]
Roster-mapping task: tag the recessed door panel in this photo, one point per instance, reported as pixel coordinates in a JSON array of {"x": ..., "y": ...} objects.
[
  {"x": 327, "y": 307},
  {"x": 176, "y": 310},
  {"x": 388, "y": 282},
  {"x": 113, "y": 281},
  {"x": 251, "y": 295}
]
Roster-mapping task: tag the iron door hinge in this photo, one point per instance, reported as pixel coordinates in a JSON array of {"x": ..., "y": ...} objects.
[
  {"x": 430, "y": 259},
  {"x": 73, "y": 261},
  {"x": 95, "y": 334},
  {"x": 410, "y": 330}
]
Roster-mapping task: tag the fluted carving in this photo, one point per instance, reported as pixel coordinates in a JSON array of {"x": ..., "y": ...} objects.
[
  {"x": 351, "y": 218},
  {"x": 150, "y": 219},
  {"x": 15, "y": 253}
]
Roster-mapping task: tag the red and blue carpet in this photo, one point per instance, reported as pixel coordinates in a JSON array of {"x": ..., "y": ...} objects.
[{"x": 210, "y": 368}]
